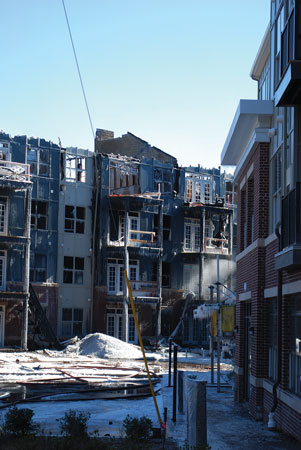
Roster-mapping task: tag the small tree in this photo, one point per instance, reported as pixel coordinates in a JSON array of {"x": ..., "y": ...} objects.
[
  {"x": 137, "y": 429},
  {"x": 74, "y": 424},
  {"x": 18, "y": 422}
]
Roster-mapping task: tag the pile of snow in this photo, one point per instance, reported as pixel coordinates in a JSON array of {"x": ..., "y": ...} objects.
[{"x": 104, "y": 346}]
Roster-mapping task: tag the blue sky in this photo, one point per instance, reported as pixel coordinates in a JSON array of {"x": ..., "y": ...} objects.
[{"x": 170, "y": 71}]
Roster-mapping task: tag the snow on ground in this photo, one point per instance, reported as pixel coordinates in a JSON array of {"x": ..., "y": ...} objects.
[{"x": 100, "y": 358}]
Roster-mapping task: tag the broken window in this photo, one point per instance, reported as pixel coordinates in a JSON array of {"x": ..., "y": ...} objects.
[
  {"x": 162, "y": 177},
  {"x": 74, "y": 219},
  {"x": 73, "y": 270},
  {"x": 123, "y": 174},
  {"x": 38, "y": 269},
  {"x": 165, "y": 275},
  {"x": 39, "y": 215},
  {"x": 192, "y": 235},
  {"x": 75, "y": 168},
  {"x": 115, "y": 275},
  {"x": 3, "y": 215},
  {"x": 166, "y": 226},
  {"x": 199, "y": 189},
  {"x": 38, "y": 159},
  {"x": 2, "y": 270},
  {"x": 72, "y": 321}
]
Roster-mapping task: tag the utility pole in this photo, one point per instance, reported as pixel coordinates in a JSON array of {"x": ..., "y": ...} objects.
[
  {"x": 218, "y": 326},
  {"x": 125, "y": 306}
]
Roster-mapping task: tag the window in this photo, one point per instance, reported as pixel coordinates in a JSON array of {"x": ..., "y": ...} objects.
[
  {"x": 295, "y": 346},
  {"x": 276, "y": 187},
  {"x": 191, "y": 278},
  {"x": 115, "y": 275},
  {"x": 243, "y": 219},
  {"x": 192, "y": 235},
  {"x": 3, "y": 215},
  {"x": 163, "y": 177},
  {"x": 39, "y": 215},
  {"x": 72, "y": 322},
  {"x": 114, "y": 325},
  {"x": 123, "y": 174},
  {"x": 264, "y": 83},
  {"x": 75, "y": 168},
  {"x": 272, "y": 338},
  {"x": 289, "y": 136},
  {"x": 166, "y": 275},
  {"x": 74, "y": 219},
  {"x": 73, "y": 270},
  {"x": 2, "y": 270},
  {"x": 166, "y": 226},
  {"x": 38, "y": 267},
  {"x": 38, "y": 159},
  {"x": 279, "y": 26},
  {"x": 134, "y": 224},
  {"x": 199, "y": 188}
]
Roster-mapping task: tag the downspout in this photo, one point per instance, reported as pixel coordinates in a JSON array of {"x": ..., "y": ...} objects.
[{"x": 271, "y": 423}]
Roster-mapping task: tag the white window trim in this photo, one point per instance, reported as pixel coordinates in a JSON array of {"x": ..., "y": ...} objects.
[
  {"x": 131, "y": 234},
  {"x": 117, "y": 332},
  {"x": 194, "y": 227},
  {"x": 118, "y": 274}
]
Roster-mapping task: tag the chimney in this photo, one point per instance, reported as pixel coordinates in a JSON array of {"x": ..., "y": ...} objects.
[{"x": 104, "y": 135}]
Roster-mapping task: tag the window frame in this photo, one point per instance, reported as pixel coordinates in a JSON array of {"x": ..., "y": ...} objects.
[
  {"x": 36, "y": 216},
  {"x": 75, "y": 221},
  {"x": 74, "y": 271}
]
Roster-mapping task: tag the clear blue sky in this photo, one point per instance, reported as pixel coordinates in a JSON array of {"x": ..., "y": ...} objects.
[{"x": 170, "y": 71}]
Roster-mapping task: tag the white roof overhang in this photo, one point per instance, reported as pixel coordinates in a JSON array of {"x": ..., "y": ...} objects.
[{"x": 249, "y": 115}]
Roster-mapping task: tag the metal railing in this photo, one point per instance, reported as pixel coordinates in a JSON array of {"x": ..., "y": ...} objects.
[
  {"x": 13, "y": 171},
  {"x": 216, "y": 246}
]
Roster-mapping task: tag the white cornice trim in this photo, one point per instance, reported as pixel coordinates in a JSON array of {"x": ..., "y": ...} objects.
[
  {"x": 270, "y": 292},
  {"x": 245, "y": 296},
  {"x": 262, "y": 56},
  {"x": 271, "y": 238},
  {"x": 287, "y": 289},
  {"x": 259, "y": 135},
  {"x": 259, "y": 243}
]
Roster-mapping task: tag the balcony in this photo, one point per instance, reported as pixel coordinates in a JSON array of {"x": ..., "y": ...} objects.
[
  {"x": 288, "y": 91},
  {"x": 135, "y": 241},
  {"x": 216, "y": 246},
  {"x": 14, "y": 173},
  {"x": 290, "y": 255}
]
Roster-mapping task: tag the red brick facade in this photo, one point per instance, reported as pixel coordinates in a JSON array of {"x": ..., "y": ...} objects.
[{"x": 256, "y": 273}]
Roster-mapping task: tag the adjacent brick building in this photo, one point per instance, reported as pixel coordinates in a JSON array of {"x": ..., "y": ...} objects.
[{"x": 263, "y": 143}]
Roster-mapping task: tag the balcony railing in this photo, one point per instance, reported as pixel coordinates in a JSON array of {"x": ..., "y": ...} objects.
[
  {"x": 291, "y": 219},
  {"x": 216, "y": 246},
  {"x": 144, "y": 288},
  {"x": 135, "y": 241},
  {"x": 13, "y": 171}
]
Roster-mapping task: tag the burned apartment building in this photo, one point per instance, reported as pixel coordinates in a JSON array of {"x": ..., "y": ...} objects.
[
  {"x": 60, "y": 240},
  {"x": 29, "y": 235},
  {"x": 126, "y": 205},
  {"x": 165, "y": 225}
]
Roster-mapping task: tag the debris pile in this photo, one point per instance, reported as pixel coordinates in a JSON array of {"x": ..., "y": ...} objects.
[{"x": 102, "y": 346}]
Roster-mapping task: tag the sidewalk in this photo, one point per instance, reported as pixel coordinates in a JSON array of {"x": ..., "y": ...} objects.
[{"x": 229, "y": 425}]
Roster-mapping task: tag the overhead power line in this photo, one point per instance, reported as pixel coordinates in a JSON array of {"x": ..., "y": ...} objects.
[{"x": 78, "y": 70}]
